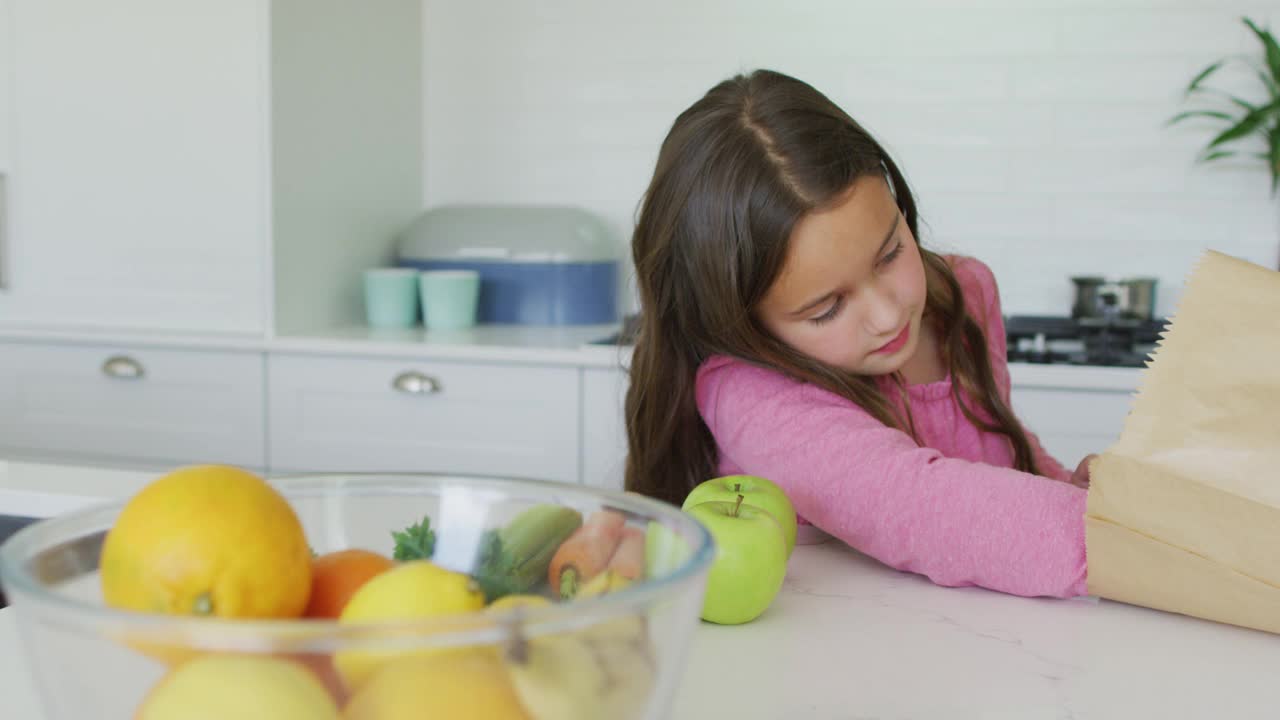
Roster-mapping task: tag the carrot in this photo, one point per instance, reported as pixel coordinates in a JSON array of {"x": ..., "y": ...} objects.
[
  {"x": 628, "y": 559},
  {"x": 586, "y": 552}
]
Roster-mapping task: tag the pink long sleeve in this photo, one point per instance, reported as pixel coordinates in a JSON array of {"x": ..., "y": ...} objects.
[{"x": 952, "y": 510}]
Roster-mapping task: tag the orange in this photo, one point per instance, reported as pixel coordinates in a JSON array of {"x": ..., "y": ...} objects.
[
  {"x": 208, "y": 540},
  {"x": 336, "y": 576}
]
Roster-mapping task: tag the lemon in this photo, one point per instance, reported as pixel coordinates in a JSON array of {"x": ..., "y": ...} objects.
[
  {"x": 508, "y": 602},
  {"x": 411, "y": 591},
  {"x": 459, "y": 685},
  {"x": 208, "y": 540},
  {"x": 216, "y": 687}
]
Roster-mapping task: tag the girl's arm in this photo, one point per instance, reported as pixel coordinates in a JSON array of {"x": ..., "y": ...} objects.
[{"x": 955, "y": 521}]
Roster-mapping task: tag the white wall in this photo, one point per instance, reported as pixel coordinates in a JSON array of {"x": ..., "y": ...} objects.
[{"x": 1031, "y": 130}]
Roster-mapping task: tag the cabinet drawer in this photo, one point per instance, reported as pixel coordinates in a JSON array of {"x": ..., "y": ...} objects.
[
  {"x": 126, "y": 403},
  {"x": 360, "y": 414}
]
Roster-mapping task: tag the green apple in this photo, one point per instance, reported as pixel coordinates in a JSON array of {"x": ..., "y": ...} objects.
[
  {"x": 750, "y": 560},
  {"x": 664, "y": 550},
  {"x": 755, "y": 491}
]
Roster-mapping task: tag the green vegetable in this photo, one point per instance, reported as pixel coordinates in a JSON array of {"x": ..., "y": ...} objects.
[
  {"x": 417, "y": 542},
  {"x": 514, "y": 559}
]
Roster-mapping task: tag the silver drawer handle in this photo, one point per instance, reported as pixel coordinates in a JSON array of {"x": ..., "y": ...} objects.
[
  {"x": 415, "y": 383},
  {"x": 123, "y": 367}
]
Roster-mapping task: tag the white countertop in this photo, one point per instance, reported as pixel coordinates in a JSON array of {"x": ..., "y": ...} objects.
[
  {"x": 849, "y": 638},
  {"x": 569, "y": 345}
]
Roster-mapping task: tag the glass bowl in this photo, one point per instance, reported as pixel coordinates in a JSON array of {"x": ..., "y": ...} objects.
[{"x": 91, "y": 660}]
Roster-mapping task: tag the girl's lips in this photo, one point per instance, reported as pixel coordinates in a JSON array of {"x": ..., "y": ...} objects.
[{"x": 897, "y": 343}]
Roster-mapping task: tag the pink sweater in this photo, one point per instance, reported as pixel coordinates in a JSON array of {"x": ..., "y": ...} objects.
[{"x": 952, "y": 509}]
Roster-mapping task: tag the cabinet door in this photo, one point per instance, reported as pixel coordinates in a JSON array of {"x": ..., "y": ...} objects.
[
  {"x": 1072, "y": 423},
  {"x": 372, "y": 414},
  {"x": 6, "y": 135},
  {"x": 604, "y": 432},
  {"x": 138, "y": 187},
  {"x": 132, "y": 405}
]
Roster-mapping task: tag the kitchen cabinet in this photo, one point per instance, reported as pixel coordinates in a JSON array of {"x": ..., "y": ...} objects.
[
  {"x": 132, "y": 404},
  {"x": 169, "y": 156},
  {"x": 6, "y": 132},
  {"x": 331, "y": 413},
  {"x": 1070, "y": 422},
  {"x": 604, "y": 432}
]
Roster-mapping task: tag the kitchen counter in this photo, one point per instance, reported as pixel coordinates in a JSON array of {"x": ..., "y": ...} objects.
[{"x": 849, "y": 638}]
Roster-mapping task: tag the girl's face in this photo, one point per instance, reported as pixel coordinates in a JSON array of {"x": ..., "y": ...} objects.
[{"x": 851, "y": 293}]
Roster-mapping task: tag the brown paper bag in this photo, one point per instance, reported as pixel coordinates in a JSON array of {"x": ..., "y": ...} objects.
[{"x": 1184, "y": 510}]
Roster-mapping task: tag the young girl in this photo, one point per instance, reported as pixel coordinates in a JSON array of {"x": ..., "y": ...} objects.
[{"x": 793, "y": 328}]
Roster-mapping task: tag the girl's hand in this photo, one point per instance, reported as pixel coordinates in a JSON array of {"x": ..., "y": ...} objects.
[{"x": 1080, "y": 478}]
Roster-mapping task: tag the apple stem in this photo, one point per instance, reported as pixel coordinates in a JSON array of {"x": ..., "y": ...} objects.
[{"x": 737, "y": 506}]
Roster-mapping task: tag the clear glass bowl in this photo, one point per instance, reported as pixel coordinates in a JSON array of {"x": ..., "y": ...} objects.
[{"x": 91, "y": 660}]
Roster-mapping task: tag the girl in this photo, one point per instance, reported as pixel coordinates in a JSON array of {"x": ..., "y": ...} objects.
[{"x": 794, "y": 329}]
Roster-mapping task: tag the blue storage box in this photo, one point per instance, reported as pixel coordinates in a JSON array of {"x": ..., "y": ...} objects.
[{"x": 538, "y": 265}]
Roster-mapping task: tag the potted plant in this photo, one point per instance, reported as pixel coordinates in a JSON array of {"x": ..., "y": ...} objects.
[{"x": 1243, "y": 119}]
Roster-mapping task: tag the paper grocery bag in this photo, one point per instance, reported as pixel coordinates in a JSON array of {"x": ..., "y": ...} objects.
[{"x": 1184, "y": 510}]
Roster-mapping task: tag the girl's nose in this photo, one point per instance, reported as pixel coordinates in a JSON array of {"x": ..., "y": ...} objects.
[{"x": 881, "y": 315}]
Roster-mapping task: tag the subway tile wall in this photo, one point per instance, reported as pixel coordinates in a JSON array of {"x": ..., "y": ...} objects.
[{"x": 1032, "y": 131}]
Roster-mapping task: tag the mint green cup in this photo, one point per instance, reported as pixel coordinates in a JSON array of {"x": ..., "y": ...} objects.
[
  {"x": 449, "y": 298},
  {"x": 391, "y": 297}
]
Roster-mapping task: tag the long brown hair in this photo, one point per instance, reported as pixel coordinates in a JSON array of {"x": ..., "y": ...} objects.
[{"x": 738, "y": 169}]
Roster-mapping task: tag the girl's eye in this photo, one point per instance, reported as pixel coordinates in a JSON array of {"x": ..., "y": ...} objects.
[
  {"x": 893, "y": 254},
  {"x": 830, "y": 314}
]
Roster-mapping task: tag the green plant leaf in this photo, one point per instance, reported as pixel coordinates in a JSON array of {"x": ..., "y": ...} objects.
[
  {"x": 1204, "y": 75},
  {"x": 1269, "y": 43},
  {"x": 1273, "y": 162},
  {"x": 1216, "y": 114},
  {"x": 1247, "y": 125},
  {"x": 1218, "y": 155},
  {"x": 1229, "y": 97},
  {"x": 1268, "y": 82}
]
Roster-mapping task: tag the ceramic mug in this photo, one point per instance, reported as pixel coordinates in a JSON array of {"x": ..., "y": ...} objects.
[
  {"x": 391, "y": 297},
  {"x": 449, "y": 298}
]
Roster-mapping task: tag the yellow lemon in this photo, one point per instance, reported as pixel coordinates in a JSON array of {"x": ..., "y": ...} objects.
[
  {"x": 208, "y": 540},
  {"x": 460, "y": 685},
  {"x": 410, "y": 591},
  {"x": 216, "y": 687},
  {"x": 507, "y": 602}
]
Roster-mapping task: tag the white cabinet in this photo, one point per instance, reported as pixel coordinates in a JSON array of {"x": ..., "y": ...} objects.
[
  {"x": 374, "y": 414},
  {"x": 138, "y": 189},
  {"x": 181, "y": 164},
  {"x": 604, "y": 433},
  {"x": 132, "y": 404},
  {"x": 6, "y": 133},
  {"x": 1072, "y": 422}
]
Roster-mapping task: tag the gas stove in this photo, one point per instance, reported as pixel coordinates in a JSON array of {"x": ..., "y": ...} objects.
[{"x": 1057, "y": 340}]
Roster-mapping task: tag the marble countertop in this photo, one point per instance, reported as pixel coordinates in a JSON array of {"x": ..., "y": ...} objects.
[{"x": 849, "y": 638}]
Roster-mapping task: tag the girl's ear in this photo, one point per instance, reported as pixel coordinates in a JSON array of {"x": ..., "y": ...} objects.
[{"x": 888, "y": 178}]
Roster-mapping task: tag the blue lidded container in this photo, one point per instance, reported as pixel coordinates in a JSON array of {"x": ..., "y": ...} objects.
[{"x": 538, "y": 265}]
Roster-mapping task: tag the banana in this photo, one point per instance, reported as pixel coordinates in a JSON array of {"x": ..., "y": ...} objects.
[
  {"x": 605, "y": 672},
  {"x": 602, "y": 584}
]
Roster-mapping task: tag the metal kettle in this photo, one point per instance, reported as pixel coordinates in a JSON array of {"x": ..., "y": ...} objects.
[{"x": 1109, "y": 299}]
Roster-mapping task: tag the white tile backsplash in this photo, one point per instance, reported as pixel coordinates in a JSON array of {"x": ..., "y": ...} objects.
[{"x": 1033, "y": 131}]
